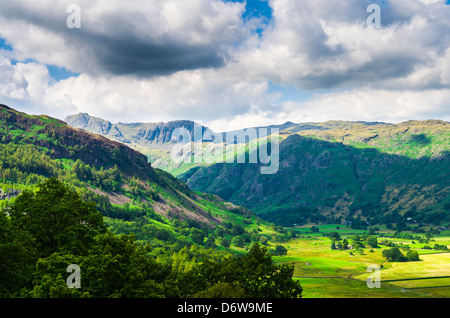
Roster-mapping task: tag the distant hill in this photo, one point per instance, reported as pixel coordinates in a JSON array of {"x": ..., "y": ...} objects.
[{"x": 336, "y": 171}]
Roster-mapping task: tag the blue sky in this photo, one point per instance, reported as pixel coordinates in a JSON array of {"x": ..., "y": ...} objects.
[
  {"x": 60, "y": 73},
  {"x": 211, "y": 61},
  {"x": 4, "y": 45},
  {"x": 257, "y": 8}
]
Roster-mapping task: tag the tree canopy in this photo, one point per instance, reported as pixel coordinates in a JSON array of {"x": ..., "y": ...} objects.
[{"x": 51, "y": 228}]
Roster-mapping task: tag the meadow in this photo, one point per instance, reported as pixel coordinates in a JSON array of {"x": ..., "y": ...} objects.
[{"x": 327, "y": 273}]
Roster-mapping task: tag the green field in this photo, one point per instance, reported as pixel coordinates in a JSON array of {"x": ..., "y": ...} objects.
[{"x": 327, "y": 273}]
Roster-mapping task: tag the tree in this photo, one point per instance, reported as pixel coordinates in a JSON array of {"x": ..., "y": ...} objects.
[
  {"x": 372, "y": 241},
  {"x": 114, "y": 267},
  {"x": 263, "y": 240},
  {"x": 255, "y": 273},
  {"x": 280, "y": 250},
  {"x": 238, "y": 241},
  {"x": 333, "y": 245},
  {"x": 412, "y": 256},
  {"x": 196, "y": 235},
  {"x": 237, "y": 230},
  {"x": 334, "y": 236},
  {"x": 394, "y": 255},
  {"x": 225, "y": 242},
  {"x": 56, "y": 218},
  {"x": 17, "y": 258},
  {"x": 210, "y": 242},
  {"x": 221, "y": 290},
  {"x": 345, "y": 244}
]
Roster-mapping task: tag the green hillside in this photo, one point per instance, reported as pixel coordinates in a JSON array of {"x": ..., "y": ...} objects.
[
  {"x": 353, "y": 172},
  {"x": 133, "y": 197}
]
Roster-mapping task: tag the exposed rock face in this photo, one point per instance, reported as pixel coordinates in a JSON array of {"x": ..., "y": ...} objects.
[
  {"x": 140, "y": 133},
  {"x": 9, "y": 194},
  {"x": 93, "y": 124}
]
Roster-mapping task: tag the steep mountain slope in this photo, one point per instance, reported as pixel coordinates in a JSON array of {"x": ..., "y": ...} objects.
[{"x": 133, "y": 196}]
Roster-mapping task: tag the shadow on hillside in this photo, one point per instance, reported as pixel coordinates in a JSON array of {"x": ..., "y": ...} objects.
[{"x": 317, "y": 175}]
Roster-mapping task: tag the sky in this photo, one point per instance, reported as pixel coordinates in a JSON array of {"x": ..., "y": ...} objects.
[{"x": 227, "y": 64}]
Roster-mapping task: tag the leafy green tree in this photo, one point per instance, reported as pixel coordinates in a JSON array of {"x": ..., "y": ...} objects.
[
  {"x": 50, "y": 278},
  {"x": 117, "y": 267},
  {"x": 345, "y": 244},
  {"x": 333, "y": 245},
  {"x": 196, "y": 235},
  {"x": 255, "y": 273},
  {"x": 314, "y": 229},
  {"x": 358, "y": 245},
  {"x": 334, "y": 236},
  {"x": 412, "y": 256},
  {"x": 237, "y": 230},
  {"x": 221, "y": 290},
  {"x": 225, "y": 242},
  {"x": 394, "y": 255},
  {"x": 238, "y": 241},
  {"x": 56, "y": 218},
  {"x": 114, "y": 267},
  {"x": 17, "y": 258},
  {"x": 263, "y": 240},
  {"x": 280, "y": 250},
  {"x": 210, "y": 242},
  {"x": 372, "y": 241}
]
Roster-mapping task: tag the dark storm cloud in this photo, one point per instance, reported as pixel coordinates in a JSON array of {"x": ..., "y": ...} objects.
[
  {"x": 134, "y": 56},
  {"x": 375, "y": 71},
  {"x": 127, "y": 44}
]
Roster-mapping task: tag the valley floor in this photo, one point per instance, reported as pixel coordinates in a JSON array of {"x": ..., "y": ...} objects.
[{"x": 327, "y": 273}]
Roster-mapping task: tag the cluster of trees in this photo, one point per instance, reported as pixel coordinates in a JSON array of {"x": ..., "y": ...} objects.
[
  {"x": 45, "y": 231},
  {"x": 395, "y": 255},
  {"x": 106, "y": 179},
  {"x": 357, "y": 242},
  {"x": 166, "y": 238},
  {"x": 436, "y": 246},
  {"x": 25, "y": 165}
]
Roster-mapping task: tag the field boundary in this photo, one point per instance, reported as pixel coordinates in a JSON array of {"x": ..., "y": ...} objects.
[{"x": 419, "y": 278}]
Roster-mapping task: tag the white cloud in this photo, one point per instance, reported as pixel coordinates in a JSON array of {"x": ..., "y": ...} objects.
[
  {"x": 23, "y": 81},
  {"x": 326, "y": 44},
  {"x": 373, "y": 105}
]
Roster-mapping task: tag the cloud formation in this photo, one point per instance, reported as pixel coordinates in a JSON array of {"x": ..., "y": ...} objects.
[
  {"x": 210, "y": 60},
  {"x": 142, "y": 38}
]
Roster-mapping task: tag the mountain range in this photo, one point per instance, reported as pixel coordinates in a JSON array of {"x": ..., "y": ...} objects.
[{"x": 335, "y": 171}]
